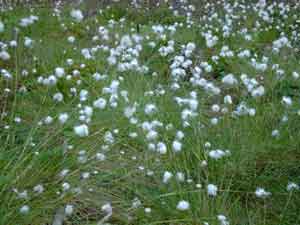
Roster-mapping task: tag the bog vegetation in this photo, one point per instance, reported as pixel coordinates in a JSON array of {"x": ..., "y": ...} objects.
[{"x": 129, "y": 115}]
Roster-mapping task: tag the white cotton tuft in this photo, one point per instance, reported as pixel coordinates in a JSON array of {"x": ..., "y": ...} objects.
[
  {"x": 176, "y": 146},
  {"x": 229, "y": 80},
  {"x": 258, "y": 92},
  {"x": 58, "y": 97},
  {"x": 71, "y": 39},
  {"x": 107, "y": 208},
  {"x": 38, "y": 189},
  {"x": 1, "y": 27},
  {"x": 59, "y": 72},
  {"x": 286, "y": 100},
  {"x": 63, "y": 117},
  {"x": 216, "y": 154},
  {"x": 4, "y": 55},
  {"x": 69, "y": 210},
  {"x": 100, "y": 156},
  {"x": 179, "y": 135},
  {"x": 81, "y": 130},
  {"x": 223, "y": 220},
  {"x": 100, "y": 103},
  {"x": 77, "y": 15},
  {"x": 262, "y": 193},
  {"x": 167, "y": 176},
  {"x": 183, "y": 205},
  {"x": 150, "y": 109},
  {"x": 28, "y": 42},
  {"x": 24, "y": 209},
  {"x": 212, "y": 190},
  {"x": 228, "y": 100},
  {"x": 292, "y": 186},
  {"x": 161, "y": 148}
]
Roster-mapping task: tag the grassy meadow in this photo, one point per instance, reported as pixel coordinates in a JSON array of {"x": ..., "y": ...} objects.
[{"x": 131, "y": 115}]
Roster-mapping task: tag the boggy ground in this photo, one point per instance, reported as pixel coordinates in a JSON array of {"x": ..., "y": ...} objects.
[{"x": 161, "y": 116}]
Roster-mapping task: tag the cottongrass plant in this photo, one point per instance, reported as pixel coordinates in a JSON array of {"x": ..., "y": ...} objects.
[{"x": 134, "y": 116}]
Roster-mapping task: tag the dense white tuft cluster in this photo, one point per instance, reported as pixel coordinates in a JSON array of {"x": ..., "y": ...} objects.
[{"x": 145, "y": 113}]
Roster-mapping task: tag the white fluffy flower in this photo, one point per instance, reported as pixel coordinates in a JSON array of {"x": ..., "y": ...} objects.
[
  {"x": 1, "y": 27},
  {"x": 252, "y": 112},
  {"x": 167, "y": 176},
  {"x": 86, "y": 53},
  {"x": 161, "y": 148},
  {"x": 228, "y": 99},
  {"x": 152, "y": 135},
  {"x": 262, "y": 193},
  {"x": 58, "y": 97},
  {"x": 229, "y": 80},
  {"x": 81, "y": 130},
  {"x": 275, "y": 133},
  {"x": 258, "y": 92},
  {"x": 48, "y": 120},
  {"x": 148, "y": 210},
  {"x": 180, "y": 176},
  {"x": 69, "y": 210},
  {"x": 223, "y": 220},
  {"x": 176, "y": 146},
  {"x": 212, "y": 190},
  {"x": 295, "y": 75},
  {"x": 66, "y": 186},
  {"x": 83, "y": 95},
  {"x": 23, "y": 194},
  {"x": 77, "y": 15},
  {"x": 292, "y": 186},
  {"x": 24, "y": 209},
  {"x": 100, "y": 156},
  {"x": 129, "y": 111},
  {"x": 190, "y": 46},
  {"x": 179, "y": 135},
  {"x": 24, "y": 22},
  {"x": 107, "y": 208},
  {"x": 214, "y": 121},
  {"x": 38, "y": 189},
  {"x": 71, "y": 39},
  {"x": 100, "y": 103},
  {"x": 63, "y": 117},
  {"x": 13, "y": 43},
  {"x": 59, "y": 72},
  {"x": 28, "y": 42},
  {"x": 215, "y": 108},
  {"x": 183, "y": 205},
  {"x": 216, "y": 154},
  {"x": 4, "y": 55},
  {"x": 286, "y": 100},
  {"x": 150, "y": 109}
]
